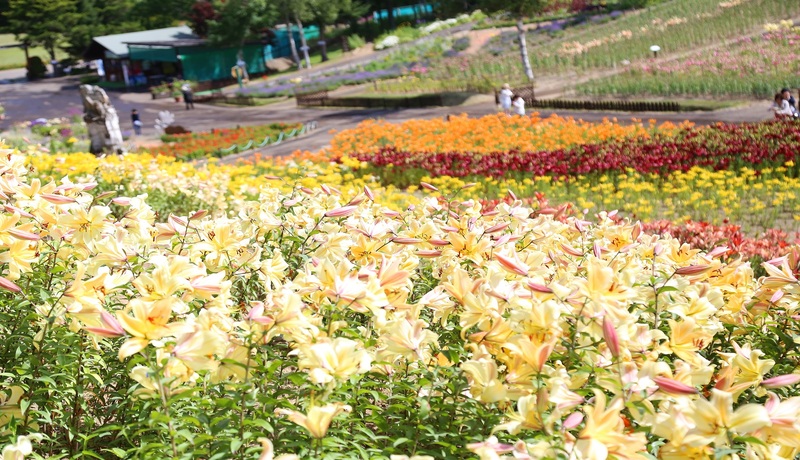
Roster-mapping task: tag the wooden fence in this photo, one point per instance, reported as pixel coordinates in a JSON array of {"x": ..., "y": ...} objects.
[
  {"x": 322, "y": 99},
  {"x": 621, "y": 106}
]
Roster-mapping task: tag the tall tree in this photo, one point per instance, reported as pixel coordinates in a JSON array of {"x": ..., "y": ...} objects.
[
  {"x": 202, "y": 13},
  {"x": 157, "y": 14},
  {"x": 287, "y": 9},
  {"x": 3, "y": 19},
  {"x": 40, "y": 22},
  {"x": 519, "y": 9},
  {"x": 93, "y": 18},
  {"x": 324, "y": 13},
  {"x": 238, "y": 21}
]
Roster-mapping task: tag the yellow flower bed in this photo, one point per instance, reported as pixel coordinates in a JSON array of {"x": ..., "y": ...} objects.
[{"x": 754, "y": 201}]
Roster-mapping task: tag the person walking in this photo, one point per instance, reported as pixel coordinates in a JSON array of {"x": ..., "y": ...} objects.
[
  {"x": 137, "y": 122},
  {"x": 504, "y": 98},
  {"x": 188, "y": 97},
  {"x": 519, "y": 105}
]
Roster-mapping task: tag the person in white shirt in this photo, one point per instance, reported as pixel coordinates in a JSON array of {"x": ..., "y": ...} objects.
[
  {"x": 781, "y": 106},
  {"x": 519, "y": 105},
  {"x": 505, "y": 98}
]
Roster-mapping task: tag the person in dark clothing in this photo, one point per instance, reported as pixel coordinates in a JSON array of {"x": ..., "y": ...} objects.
[
  {"x": 188, "y": 97},
  {"x": 137, "y": 122}
]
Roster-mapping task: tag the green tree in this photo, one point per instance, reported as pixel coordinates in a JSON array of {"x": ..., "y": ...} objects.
[
  {"x": 40, "y": 22},
  {"x": 94, "y": 18},
  {"x": 156, "y": 14},
  {"x": 3, "y": 19},
  {"x": 238, "y": 21},
  {"x": 324, "y": 13},
  {"x": 519, "y": 9}
]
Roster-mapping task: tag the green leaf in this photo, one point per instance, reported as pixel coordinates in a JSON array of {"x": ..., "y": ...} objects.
[
  {"x": 749, "y": 440},
  {"x": 120, "y": 453}
]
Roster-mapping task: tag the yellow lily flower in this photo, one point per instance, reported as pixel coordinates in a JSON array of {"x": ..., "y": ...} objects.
[{"x": 318, "y": 418}]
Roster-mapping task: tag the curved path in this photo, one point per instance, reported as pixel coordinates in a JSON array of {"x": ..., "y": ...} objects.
[{"x": 59, "y": 97}]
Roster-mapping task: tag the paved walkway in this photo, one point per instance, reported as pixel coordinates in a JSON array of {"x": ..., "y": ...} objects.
[{"x": 59, "y": 97}]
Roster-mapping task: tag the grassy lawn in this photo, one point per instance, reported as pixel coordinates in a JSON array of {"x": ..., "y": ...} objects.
[{"x": 14, "y": 58}]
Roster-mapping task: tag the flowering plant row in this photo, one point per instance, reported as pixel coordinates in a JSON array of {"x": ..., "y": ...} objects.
[
  {"x": 750, "y": 67},
  {"x": 329, "y": 326},
  {"x": 484, "y": 135},
  {"x": 721, "y": 146},
  {"x": 200, "y": 145}
]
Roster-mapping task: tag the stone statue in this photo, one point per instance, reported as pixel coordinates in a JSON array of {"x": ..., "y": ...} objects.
[{"x": 101, "y": 120}]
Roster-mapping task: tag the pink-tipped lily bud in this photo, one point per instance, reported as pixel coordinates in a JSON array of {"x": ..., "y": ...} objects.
[
  {"x": 573, "y": 420},
  {"x": 536, "y": 287},
  {"x": 469, "y": 185},
  {"x": 344, "y": 211},
  {"x": 391, "y": 214},
  {"x": 121, "y": 201},
  {"x": 325, "y": 189},
  {"x": 9, "y": 285},
  {"x": 674, "y": 387},
  {"x": 177, "y": 221},
  {"x": 356, "y": 200},
  {"x": 198, "y": 214},
  {"x": 368, "y": 192},
  {"x": 571, "y": 251},
  {"x": 778, "y": 295},
  {"x": 582, "y": 225},
  {"x": 597, "y": 249},
  {"x": 270, "y": 177},
  {"x": 512, "y": 195},
  {"x": 57, "y": 199},
  {"x": 637, "y": 230},
  {"x": 428, "y": 186},
  {"x": 658, "y": 249},
  {"x": 104, "y": 194},
  {"x": 429, "y": 254},
  {"x": 692, "y": 270},
  {"x": 111, "y": 327},
  {"x": 438, "y": 242},
  {"x": 610, "y": 336},
  {"x": 401, "y": 240},
  {"x": 718, "y": 251},
  {"x": 781, "y": 381},
  {"x": 497, "y": 227},
  {"x": 514, "y": 265},
  {"x": 23, "y": 235}
]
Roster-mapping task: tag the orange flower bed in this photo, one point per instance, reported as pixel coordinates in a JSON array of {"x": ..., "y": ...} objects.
[{"x": 491, "y": 133}]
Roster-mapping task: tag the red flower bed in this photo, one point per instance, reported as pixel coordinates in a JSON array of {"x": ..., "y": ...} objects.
[
  {"x": 721, "y": 146},
  {"x": 702, "y": 235}
]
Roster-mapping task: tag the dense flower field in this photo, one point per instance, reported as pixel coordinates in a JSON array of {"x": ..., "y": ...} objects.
[
  {"x": 743, "y": 173},
  {"x": 491, "y": 133},
  {"x": 319, "y": 323},
  {"x": 212, "y": 143},
  {"x": 577, "y": 148},
  {"x": 750, "y": 67}
]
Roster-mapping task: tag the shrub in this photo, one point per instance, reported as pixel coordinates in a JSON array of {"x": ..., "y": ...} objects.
[
  {"x": 176, "y": 129},
  {"x": 36, "y": 68},
  {"x": 90, "y": 80},
  {"x": 461, "y": 44},
  {"x": 355, "y": 42}
]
